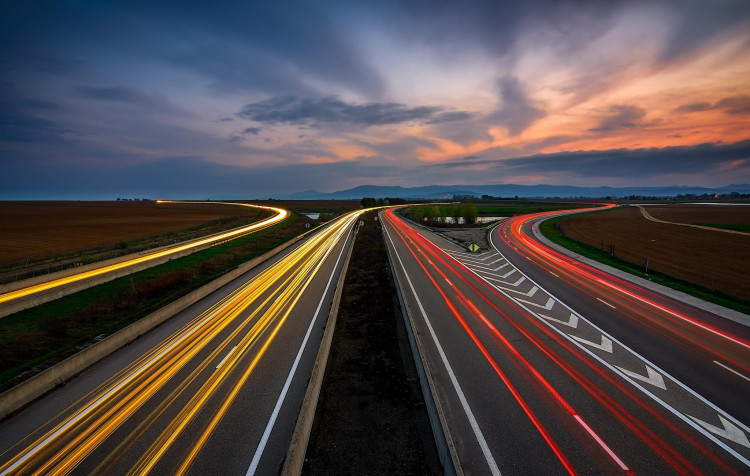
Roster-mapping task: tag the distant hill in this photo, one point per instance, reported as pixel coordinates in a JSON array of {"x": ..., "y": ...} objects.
[{"x": 509, "y": 191}]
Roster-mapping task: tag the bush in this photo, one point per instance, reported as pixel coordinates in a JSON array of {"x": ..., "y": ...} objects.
[{"x": 470, "y": 213}]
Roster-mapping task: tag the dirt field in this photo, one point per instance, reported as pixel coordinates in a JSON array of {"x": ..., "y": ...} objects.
[
  {"x": 715, "y": 214},
  {"x": 43, "y": 229},
  {"x": 711, "y": 259}
]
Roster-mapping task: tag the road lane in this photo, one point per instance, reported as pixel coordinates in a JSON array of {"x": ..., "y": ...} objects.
[
  {"x": 13, "y": 301},
  {"x": 199, "y": 398},
  {"x": 529, "y": 385}
]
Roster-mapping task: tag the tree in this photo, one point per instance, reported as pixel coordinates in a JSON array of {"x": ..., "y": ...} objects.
[
  {"x": 456, "y": 214},
  {"x": 470, "y": 213},
  {"x": 368, "y": 202},
  {"x": 418, "y": 213}
]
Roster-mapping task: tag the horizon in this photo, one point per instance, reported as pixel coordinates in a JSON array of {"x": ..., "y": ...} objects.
[{"x": 173, "y": 99}]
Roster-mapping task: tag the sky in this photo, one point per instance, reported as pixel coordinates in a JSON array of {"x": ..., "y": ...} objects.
[{"x": 193, "y": 99}]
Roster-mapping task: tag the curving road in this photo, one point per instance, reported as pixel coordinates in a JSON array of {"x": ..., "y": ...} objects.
[
  {"x": 542, "y": 366},
  {"x": 215, "y": 390},
  {"x": 55, "y": 286}
]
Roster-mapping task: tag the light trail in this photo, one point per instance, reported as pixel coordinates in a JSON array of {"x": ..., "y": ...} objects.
[
  {"x": 662, "y": 314},
  {"x": 434, "y": 255},
  {"x": 279, "y": 215},
  {"x": 270, "y": 297}
]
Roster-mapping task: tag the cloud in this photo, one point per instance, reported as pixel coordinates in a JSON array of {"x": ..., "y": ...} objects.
[
  {"x": 694, "y": 107},
  {"x": 294, "y": 110},
  {"x": 252, "y": 130},
  {"x": 636, "y": 163},
  {"x": 130, "y": 96},
  {"x": 517, "y": 111},
  {"x": 620, "y": 117},
  {"x": 734, "y": 105}
]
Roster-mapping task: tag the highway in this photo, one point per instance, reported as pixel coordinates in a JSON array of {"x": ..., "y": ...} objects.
[
  {"x": 56, "y": 286},
  {"x": 542, "y": 366},
  {"x": 215, "y": 390}
]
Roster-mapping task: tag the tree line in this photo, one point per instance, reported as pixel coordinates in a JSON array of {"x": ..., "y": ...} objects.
[
  {"x": 437, "y": 214},
  {"x": 369, "y": 202}
]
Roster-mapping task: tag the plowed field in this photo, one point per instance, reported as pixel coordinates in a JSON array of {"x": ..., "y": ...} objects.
[
  {"x": 708, "y": 258},
  {"x": 38, "y": 230},
  {"x": 718, "y": 214}
]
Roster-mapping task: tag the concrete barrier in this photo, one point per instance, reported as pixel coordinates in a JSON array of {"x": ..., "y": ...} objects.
[
  {"x": 27, "y": 391},
  {"x": 295, "y": 457}
]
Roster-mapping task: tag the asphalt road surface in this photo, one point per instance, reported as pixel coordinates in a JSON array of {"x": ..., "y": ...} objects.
[
  {"x": 215, "y": 390},
  {"x": 542, "y": 366}
]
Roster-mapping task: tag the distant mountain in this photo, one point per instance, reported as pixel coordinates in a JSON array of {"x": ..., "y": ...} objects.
[{"x": 509, "y": 190}]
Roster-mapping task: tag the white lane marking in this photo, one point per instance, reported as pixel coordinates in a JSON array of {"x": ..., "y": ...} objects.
[
  {"x": 730, "y": 432},
  {"x": 486, "y": 268},
  {"x": 548, "y": 306},
  {"x": 461, "y": 397},
  {"x": 572, "y": 321},
  {"x": 501, "y": 276},
  {"x": 274, "y": 415},
  {"x": 606, "y": 303},
  {"x": 606, "y": 344},
  {"x": 732, "y": 370},
  {"x": 226, "y": 357},
  {"x": 652, "y": 376},
  {"x": 529, "y": 293},
  {"x": 554, "y": 274},
  {"x": 601, "y": 443},
  {"x": 645, "y": 390}
]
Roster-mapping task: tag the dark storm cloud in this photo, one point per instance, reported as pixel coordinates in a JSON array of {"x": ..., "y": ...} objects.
[
  {"x": 25, "y": 121},
  {"x": 634, "y": 163},
  {"x": 697, "y": 23},
  {"x": 620, "y": 117},
  {"x": 265, "y": 45},
  {"x": 517, "y": 111},
  {"x": 294, "y": 110}
]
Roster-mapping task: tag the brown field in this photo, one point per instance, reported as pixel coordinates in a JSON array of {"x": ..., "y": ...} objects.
[
  {"x": 708, "y": 258},
  {"x": 716, "y": 214},
  {"x": 43, "y": 229}
]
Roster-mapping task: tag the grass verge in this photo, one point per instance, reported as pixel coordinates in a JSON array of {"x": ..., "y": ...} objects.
[
  {"x": 36, "y": 338},
  {"x": 551, "y": 229}
]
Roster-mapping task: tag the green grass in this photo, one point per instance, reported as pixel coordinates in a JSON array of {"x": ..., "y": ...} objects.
[
  {"x": 58, "y": 328},
  {"x": 727, "y": 226},
  {"x": 550, "y": 229}
]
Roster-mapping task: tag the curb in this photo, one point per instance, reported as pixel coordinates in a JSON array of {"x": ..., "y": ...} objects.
[
  {"x": 726, "y": 313},
  {"x": 295, "y": 457},
  {"x": 29, "y": 390},
  {"x": 443, "y": 440}
]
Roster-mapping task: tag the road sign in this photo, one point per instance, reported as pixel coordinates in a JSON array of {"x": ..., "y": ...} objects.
[
  {"x": 307, "y": 225},
  {"x": 473, "y": 248},
  {"x": 376, "y": 218},
  {"x": 361, "y": 223}
]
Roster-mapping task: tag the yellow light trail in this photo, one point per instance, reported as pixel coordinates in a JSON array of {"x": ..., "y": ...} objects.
[
  {"x": 280, "y": 215},
  {"x": 273, "y": 294}
]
